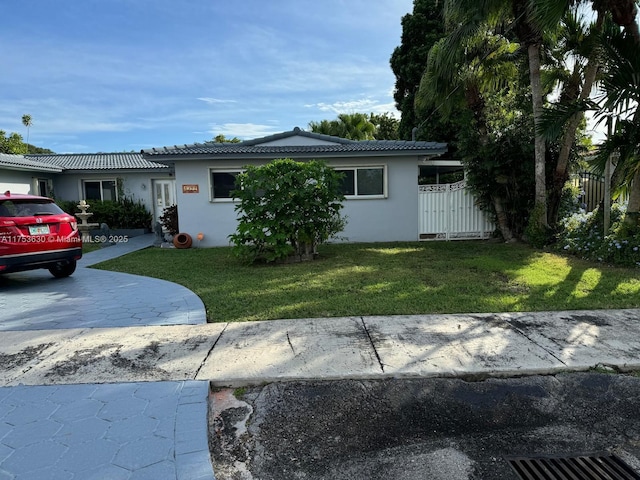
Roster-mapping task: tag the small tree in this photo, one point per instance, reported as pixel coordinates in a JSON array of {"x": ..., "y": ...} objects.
[
  {"x": 169, "y": 219},
  {"x": 287, "y": 209}
]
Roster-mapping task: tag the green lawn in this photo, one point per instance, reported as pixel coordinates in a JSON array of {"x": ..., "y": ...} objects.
[
  {"x": 389, "y": 279},
  {"x": 90, "y": 247}
]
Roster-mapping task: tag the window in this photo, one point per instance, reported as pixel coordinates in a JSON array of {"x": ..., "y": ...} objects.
[
  {"x": 438, "y": 175},
  {"x": 100, "y": 190},
  {"x": 223, "y": 182},
  {"x": 363, "y": 181},
  {"x": 44, "y": 187}
]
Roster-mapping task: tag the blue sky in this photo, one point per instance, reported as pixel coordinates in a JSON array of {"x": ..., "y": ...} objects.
[{"x": 122, "y": 75}]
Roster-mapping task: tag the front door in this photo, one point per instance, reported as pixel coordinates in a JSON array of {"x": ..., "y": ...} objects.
[{"x": 164, "y": 195}]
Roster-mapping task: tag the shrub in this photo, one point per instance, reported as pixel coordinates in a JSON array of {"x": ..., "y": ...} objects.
[
  {"x": 69, "y": 206},
  {"x": 582, "y": 235},
  {"x": 125, "y": 213},
  {"x": 287, "y": 209},
  {"x": 169, "y": 219}
]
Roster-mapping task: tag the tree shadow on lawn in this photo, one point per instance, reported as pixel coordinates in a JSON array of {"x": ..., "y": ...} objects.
[{"x": 419, "y": 278}]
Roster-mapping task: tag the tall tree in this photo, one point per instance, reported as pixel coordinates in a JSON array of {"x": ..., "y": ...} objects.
[
  {"x": 421, "y": 29},
  {"x": 621, "y": 70},
  {"x": 622, "y": 87},
  {"x": 466, "y": 17},
  {"x": 578, "y": 55},
  {"x": 11, "y": 143},
  {"x": 621, "y": 95},
  {"x": 387, "y": 126},
  {"x": 354, "y": 126},
  {"x": 220, "y": 138},
  {"x": 27, "y": 122},
  {"x": 478, "y": 83}
]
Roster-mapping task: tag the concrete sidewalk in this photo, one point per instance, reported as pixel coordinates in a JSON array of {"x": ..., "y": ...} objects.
[{"x": 236, "y": 354}]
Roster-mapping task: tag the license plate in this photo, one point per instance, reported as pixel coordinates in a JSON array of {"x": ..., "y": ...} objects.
[{"x": 39, "y": 230}]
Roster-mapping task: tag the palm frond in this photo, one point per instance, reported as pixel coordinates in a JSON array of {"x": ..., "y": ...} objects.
[
  {"x": 547, "y": 14},
  {"x": 555, "y": 118},
  {"x": 625, "y": 144}
]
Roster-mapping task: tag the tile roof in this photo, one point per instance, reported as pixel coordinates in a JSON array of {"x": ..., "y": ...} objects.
[
  {"x": 297, "y": 132},
  {"x": 20, "y": 162},
  {"x": 372, "y": 146},
  {"x": 260, "y": 147},
  {"x": 98, "y": 161}
]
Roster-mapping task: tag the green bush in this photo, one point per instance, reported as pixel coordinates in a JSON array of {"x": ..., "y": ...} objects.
[
  {"x": 69, "y": 206},
  {"x": 169, "y": 219},
  {"x": 125, "y": 213},
  {"x": 287, "y": 209},
  {"x": 582, "y": 235}
]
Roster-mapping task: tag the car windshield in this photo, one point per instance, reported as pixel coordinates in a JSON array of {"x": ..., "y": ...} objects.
[{"x": 28, "y": 208}]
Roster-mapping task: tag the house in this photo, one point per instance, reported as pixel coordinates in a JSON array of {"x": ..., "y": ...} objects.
[
  {"x": 383, "y": 201},
  {"x": 97, "y": 176},
  {"x": 20, "y": 174}
]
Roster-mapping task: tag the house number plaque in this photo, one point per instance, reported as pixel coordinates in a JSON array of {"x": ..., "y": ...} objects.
[{"x": 191, "y": 188}]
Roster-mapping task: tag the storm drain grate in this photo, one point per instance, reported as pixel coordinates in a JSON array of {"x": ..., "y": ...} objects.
[{"x": 587, "y": 467}]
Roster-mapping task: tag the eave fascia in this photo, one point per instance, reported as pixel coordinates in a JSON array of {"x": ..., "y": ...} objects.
[{"x": 173, "y": 159}]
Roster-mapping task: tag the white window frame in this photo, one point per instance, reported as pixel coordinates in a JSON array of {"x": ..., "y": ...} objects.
[
  {"x": 355, "y": 168},
  {"x": 48, "y": 186},
  {"x": 99, "y": 180},
  {"x": 212, "y": 197}
]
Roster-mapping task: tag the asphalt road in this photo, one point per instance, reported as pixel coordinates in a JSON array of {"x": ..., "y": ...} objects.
[{"x": 421, "y": 428}]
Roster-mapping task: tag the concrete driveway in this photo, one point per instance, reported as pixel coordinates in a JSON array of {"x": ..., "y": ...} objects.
[
  {"x": 91, "y": 298},
  {"x": 129, "y": 430}
]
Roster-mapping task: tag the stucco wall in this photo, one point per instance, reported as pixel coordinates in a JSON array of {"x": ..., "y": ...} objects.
[
  {"x": 22, "y": 181},
  {"x": 136, "y": 185},
  {"x": 16, "y": 182},
  {"x": 394, "y": 218}
]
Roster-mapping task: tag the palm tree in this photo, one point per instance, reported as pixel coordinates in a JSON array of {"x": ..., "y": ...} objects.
[
  {"x": 357, "y": 126},
  {"x": 582, "y": 45},
  {"x": 467, "y": 16},
  {"x": 326, "y": 127},
  {"x": 621, "y": 97},
  {"x": 475, "y": 75},
  {"x": 354, "y": 126},
  {"x": 27, "y": 122}
]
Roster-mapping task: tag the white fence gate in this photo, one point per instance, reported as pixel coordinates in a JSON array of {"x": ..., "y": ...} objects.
[{"x": 449, "y": 212}]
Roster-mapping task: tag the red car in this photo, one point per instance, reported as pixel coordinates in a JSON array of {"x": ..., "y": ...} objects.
[{"x": 36, "y": 233}]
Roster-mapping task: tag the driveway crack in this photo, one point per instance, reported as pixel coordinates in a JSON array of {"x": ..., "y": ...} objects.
[
  {"x": 375, "y": 350},
  {"x": 209, "y": 352}
]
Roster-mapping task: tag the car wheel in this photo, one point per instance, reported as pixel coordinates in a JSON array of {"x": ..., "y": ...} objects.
[{"x": 63, "y": 269}]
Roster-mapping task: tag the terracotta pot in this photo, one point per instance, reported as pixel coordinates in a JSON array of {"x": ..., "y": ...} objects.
[{"x": 182, "y": 240}]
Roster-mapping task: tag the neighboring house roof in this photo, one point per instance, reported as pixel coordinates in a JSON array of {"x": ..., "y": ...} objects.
[
  {"x": 296, "y": 132},
  {"x": 19, "y": 162},
  {"x": 276, "y": 145},
  {"x": 98, "y": 161}
]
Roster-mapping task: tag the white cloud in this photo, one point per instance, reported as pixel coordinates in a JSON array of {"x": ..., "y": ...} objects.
[
  {"x": 212, "y": 101},
  {"x": 243, "y": 130},
  {"x": 365, "y": 105}
]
